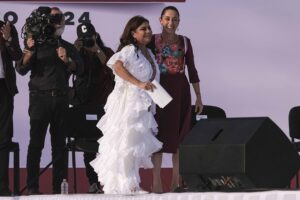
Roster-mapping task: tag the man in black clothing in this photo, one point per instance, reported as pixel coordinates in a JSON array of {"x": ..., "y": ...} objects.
[
  {"x": 50, "y": 61},
  {"x": 10, "y": 51}
]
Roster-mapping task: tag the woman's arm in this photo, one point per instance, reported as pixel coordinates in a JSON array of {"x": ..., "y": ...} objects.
[
  {"x": 10, "y": 35},
  {"x": 121, "y": 71},
  {"x": 198, "y": 103}
]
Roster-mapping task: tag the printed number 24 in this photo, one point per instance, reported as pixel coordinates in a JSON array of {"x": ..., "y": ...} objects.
[{"x": 69, "y": 17}]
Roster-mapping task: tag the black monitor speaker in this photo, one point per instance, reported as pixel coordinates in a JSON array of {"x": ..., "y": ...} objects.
[{"x": 237, "y": 154}]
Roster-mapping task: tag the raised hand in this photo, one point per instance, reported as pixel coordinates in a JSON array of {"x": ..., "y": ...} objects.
[
  {"x": 147, "y": 86},
  {"x": 5, "y": 30},
  {"x": 62, "y": 54}
]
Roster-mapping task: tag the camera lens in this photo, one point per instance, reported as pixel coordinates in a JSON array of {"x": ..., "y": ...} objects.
[{"x": 88, "y": 42}]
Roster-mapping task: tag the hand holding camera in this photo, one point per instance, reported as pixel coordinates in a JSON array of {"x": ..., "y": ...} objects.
[
  {"x": 30, "y": 42},
  {"x": 93, "y": 48},
  {"x": 5, "y": 30},
  {"x": 62, "y": 54},
  {"x": 28, "y": 50},
  {"x": 87, "y": 43}
]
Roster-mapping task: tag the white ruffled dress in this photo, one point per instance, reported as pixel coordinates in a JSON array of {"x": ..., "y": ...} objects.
[{"x": 128, "y": 127}]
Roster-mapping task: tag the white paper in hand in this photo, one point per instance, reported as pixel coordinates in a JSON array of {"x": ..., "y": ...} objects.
[{"x": 159, "y": 95}]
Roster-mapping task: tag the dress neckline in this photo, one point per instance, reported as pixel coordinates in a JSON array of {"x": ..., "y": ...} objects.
[
  {"x": 169, "y": 43},
  {"x": 149, "y": 58}
]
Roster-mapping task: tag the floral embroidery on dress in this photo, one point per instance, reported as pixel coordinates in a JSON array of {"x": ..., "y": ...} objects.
[{"x": 170, "y": 57}]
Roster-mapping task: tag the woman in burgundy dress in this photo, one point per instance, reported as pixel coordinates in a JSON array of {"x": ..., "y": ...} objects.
[{"x": 174, "y": 52}]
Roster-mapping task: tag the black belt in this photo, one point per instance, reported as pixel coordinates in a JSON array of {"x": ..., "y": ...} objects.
[{"x": 53, "y": 93}]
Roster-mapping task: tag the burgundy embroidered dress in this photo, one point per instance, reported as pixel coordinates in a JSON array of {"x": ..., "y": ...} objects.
[{"x": 174, "y": 121}]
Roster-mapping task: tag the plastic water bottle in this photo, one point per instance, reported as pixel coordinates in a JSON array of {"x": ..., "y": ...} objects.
[{"x": 64, "y": 187}]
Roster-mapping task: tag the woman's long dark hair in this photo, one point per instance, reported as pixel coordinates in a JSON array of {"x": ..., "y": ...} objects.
[{"x": 131, "y": 25}]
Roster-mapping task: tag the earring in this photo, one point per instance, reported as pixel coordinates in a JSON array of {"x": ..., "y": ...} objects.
[{"x": 177, "y": 29}]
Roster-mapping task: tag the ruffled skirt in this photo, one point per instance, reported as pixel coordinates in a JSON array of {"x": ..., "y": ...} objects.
[{"x": 128, "y": 140}]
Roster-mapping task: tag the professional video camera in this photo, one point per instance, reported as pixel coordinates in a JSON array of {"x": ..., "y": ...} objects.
[{"x": 40, "y": 25}]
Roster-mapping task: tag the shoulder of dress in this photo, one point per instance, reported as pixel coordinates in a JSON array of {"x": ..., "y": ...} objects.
[
  {"x": 157, "y": 36},
  {"x": 128, "y": 47},
  {"x": 127, "y": 51},
  {"x": 185, "y": 38}
]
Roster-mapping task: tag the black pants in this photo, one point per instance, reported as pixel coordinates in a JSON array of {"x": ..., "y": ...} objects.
[
  {"x": 45, "y": 110},
  {"x": 6, "y": 132},
  {"x": 89, "y": 170}
]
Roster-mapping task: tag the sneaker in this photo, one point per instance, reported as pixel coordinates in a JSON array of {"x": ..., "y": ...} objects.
[{"x": 95, "y": 189}]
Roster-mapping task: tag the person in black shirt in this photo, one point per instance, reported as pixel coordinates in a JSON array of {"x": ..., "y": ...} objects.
[
  {"x": 10, "y": 51},
  {"x": 50, "y": 63},
  {"x": 97, "y": 81}
]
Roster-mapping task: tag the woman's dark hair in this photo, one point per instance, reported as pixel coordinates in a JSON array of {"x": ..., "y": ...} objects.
[
  {"x": 131, "y": 25},
  {"x": 169, "y": 8}
]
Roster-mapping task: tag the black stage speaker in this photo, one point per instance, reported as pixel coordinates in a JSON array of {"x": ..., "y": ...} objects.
[{"x": 237, "y": 154}]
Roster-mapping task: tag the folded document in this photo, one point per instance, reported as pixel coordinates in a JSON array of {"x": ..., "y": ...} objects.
[{"x": 159, "y": 95}]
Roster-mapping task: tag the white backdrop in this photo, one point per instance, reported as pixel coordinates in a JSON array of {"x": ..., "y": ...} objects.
[{"x": 246, "y": 53}]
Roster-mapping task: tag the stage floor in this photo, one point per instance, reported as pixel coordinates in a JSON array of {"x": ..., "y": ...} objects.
[{"x": 266, "y": 195}]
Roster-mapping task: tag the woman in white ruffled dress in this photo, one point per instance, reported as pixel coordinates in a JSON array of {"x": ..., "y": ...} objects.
[{"x": 128, "y": 126}]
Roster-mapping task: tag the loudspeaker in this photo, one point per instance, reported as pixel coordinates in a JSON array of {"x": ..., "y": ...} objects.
[{"x": 237, "y": 154}]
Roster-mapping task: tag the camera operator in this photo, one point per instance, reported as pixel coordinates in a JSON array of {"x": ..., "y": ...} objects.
[
  {"x": 99, "y": 77},
  {"x": 51, "y": 60},
  {"x": 10, "y": 51},
  {"x": 96, "y": 83}
]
